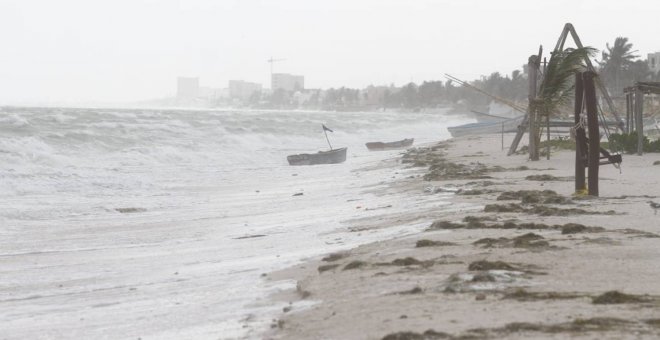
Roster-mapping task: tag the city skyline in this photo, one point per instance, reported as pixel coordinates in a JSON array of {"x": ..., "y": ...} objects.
[{"x": 77, "y": 51}]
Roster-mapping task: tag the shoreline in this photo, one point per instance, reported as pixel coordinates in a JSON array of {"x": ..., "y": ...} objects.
[{"x": 535, "y": 268}]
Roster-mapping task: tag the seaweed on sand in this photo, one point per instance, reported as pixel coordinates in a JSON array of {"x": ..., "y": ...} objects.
[
  {"x": 616, "y": 297},
  {"x": 334, "y": 257},
  {"x": 488, "y": 265},
  {"x": 428, "y": 335},
  {"x": 524, "y": 295},
  {"x": 541, "y": 210},
  {"x": 327, "y": 267},
  {"x": 355, "y": 265},
  {"x": 407, "y": 261},
  {"x": 534, "y": 196},
  {"x": 446, "y": 170},
  {"x": 431, "y": 243},
  {"x": 543, "y": 177},
  {"x": 575, "y": 228}
]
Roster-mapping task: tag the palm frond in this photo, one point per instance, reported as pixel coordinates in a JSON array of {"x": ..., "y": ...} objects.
[{"x": 558, "y": 82}]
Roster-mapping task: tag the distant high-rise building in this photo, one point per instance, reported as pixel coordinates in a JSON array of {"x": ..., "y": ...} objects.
[
  {"x": 242, "y": 89},
  {"x": 187, "y": 88},
  {"x": 654, "y": 62},
  {"x": 287, "y": 82}
]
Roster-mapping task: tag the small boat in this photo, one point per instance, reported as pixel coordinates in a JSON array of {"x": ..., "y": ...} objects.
[
  {"x": 322, "y": 157},
  {"x": 507, "y": 125},
  {"x": 379, "y": 146}
]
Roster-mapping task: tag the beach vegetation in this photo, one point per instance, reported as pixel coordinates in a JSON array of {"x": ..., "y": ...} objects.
[{"x": 627, "y": 142}]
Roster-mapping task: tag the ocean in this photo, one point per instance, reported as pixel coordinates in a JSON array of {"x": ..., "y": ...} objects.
[{"x": 158, "y": 224}]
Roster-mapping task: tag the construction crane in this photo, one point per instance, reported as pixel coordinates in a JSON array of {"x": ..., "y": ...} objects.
[{"x": 272, "y": 61}]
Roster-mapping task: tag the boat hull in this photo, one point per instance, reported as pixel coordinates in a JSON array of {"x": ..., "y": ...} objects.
[
  {"x": 508, "y": 125},
  {"x": 380, "y": 146},
  {"x": 322, "y": 157}
]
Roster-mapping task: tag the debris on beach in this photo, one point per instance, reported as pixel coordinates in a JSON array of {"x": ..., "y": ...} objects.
[
  {"x": 130, "y": 210},
  {"x": 248, "y": 236},
  {"x": 521, "y": 294},
  {"x": 574, "y": 228},
  {"x": 616, "y": 297},
  {"x": 488, "y": 265},
  {"x": 355, "y": 265},
  {"x": 544, "y": 177},
  {"x": 334, "y": 257},
  {"x": 430, "y": 243},
  {"x": 534, "y": 196},
  {"x": 327, "y": 267}
]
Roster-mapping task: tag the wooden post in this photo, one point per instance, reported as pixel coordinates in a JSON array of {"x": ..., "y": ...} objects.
[
  {"x": 579, "y": 135},
  {"x": 639, "y": 113},
  {"x": 547, "y": 147},
  {"x": 547, "y": 117},
  {"x": 502, "y": 135},
  {"x": 593, "y": 158},
  {"x": 627, "y": 127},
  {"x": 532, "y": 70}
]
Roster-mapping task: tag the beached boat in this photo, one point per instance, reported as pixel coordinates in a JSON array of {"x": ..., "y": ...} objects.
[
  {"x": 379, "y": 146},
  {"x": 322, "y": 157},
  {"x": 507, "y": 125}
]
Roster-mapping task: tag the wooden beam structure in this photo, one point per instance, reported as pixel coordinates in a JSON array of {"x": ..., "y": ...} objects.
[
  {"x": 593, "y": 158},
  {"x": 533, "y": 64},
  {"x": 580, "y": 136},
  {"x": 568, "y": 29},
  {"x": 588, "y": 152},
  {"x": 635, "y": 109}
]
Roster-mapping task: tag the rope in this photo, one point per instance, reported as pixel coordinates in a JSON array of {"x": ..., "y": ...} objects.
[{"x": 582, "y": 124}]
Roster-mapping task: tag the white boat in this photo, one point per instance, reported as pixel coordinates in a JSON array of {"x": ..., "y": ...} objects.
[{"x": 482, "y": 128}]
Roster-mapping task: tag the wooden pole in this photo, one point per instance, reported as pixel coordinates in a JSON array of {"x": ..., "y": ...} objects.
[
  {"x": 627, "y": 127},
  {"x": 531, "y": 65},
  {"x": 547, "y": 118},
  {"x": 532, "y": 70},
  {"x": 547, "y": 147},
  {"x": 502, "y": 135},
  {"x": 579, "y": 135},
  {"x": 326, "y": 138},
  {"x": 639, "y": 113},
  {"x": 593, "y": 158}
]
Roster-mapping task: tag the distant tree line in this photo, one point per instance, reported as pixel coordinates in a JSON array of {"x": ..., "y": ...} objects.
[{"x": 618, "y": 67}]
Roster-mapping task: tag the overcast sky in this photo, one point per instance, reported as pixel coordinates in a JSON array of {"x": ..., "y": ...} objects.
[{"x": 69, "y": 51}]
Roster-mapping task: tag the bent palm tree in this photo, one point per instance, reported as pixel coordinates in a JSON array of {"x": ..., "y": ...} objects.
[{"x": 557, "y": 86}]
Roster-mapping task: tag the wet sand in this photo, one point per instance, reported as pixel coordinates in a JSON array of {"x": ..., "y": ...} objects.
[{"x": 519, "y": 258}]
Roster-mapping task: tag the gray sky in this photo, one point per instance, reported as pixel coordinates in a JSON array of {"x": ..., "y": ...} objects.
[{"x": 124, "y": 50}]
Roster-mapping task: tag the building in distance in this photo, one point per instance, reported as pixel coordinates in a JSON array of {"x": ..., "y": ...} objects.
[
  {"x": 187, "y": 88},
  {"x": 654, "y": 62},
  {"x": 287, "y": 82},
  {"x": 243, "y": 90}
]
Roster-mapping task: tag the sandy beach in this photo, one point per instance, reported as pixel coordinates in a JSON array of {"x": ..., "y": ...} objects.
[{"x": 519, "y": 258}]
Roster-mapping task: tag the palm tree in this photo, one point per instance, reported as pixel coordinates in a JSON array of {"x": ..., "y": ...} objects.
[
  {"x": 615, "y": 60},
  {"x": 557, "y": 86}
]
